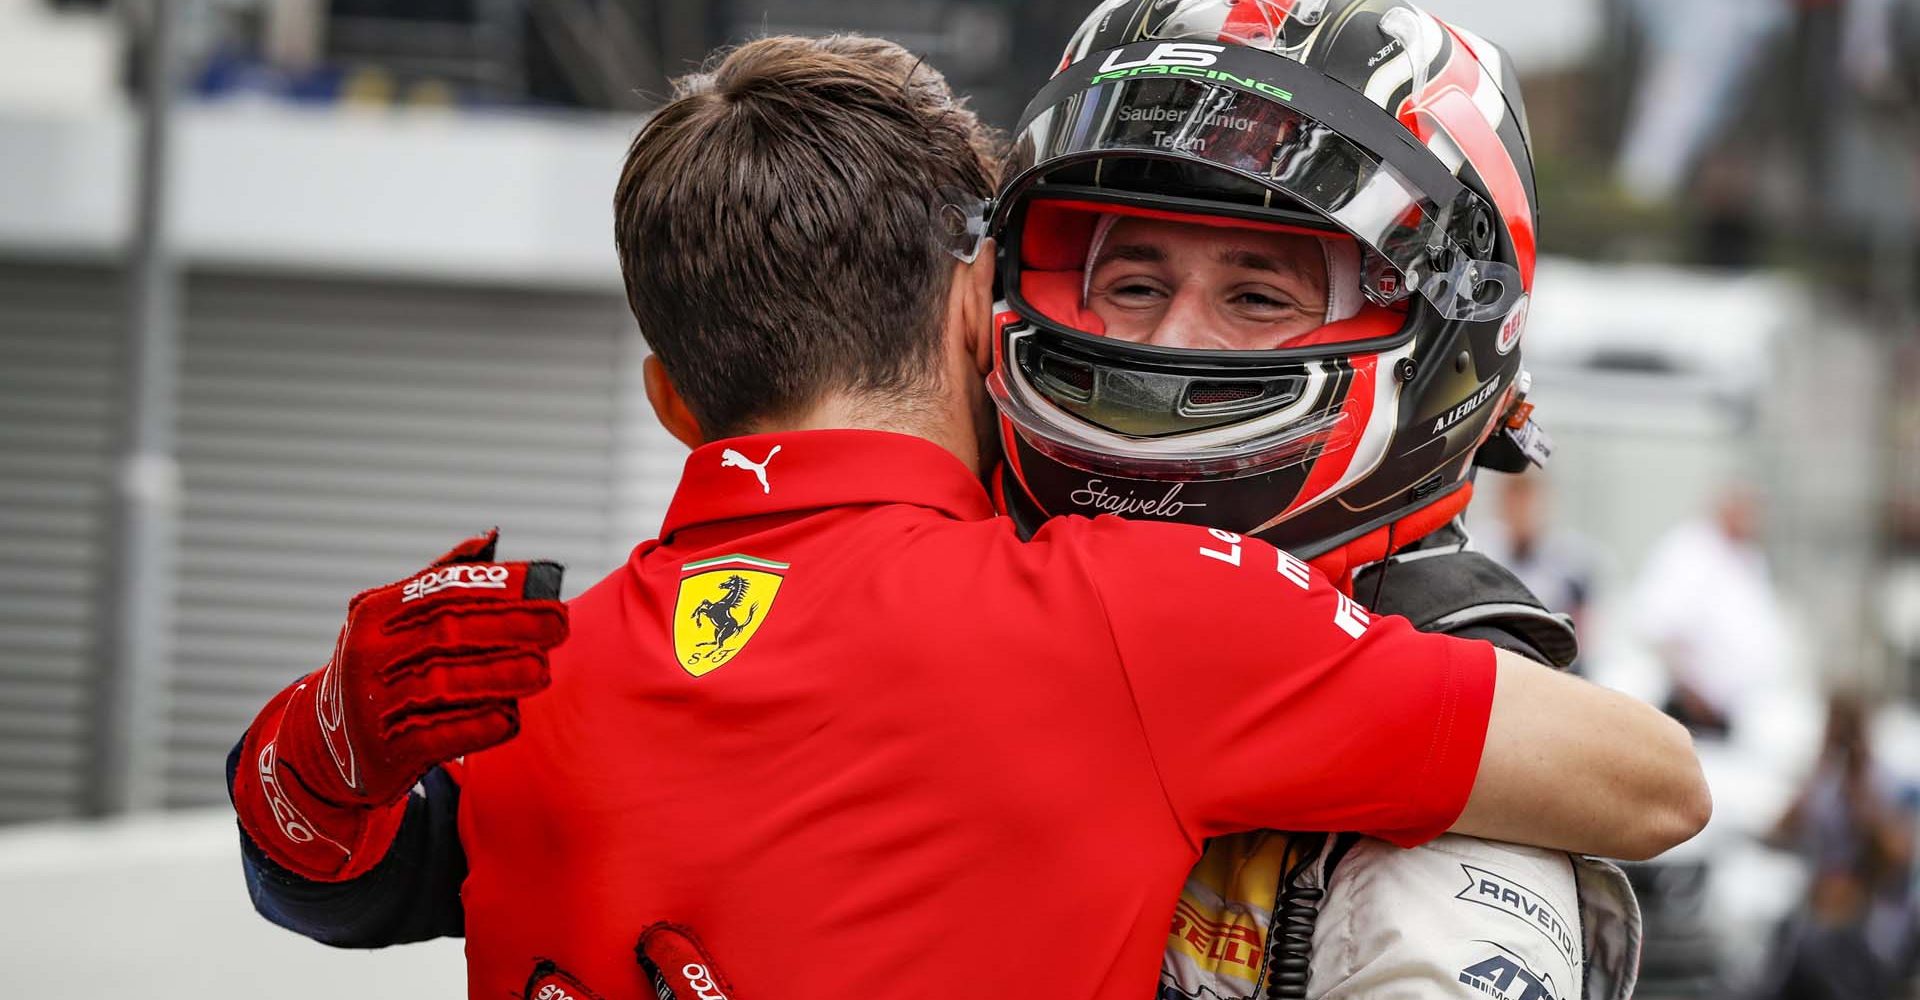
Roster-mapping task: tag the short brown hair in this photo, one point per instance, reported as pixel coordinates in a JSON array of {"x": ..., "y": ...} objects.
[{"x": 775, "y": 223}]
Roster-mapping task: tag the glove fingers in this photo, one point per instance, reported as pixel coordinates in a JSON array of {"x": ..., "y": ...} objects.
[
  {"x": 477, "y": 581},
  {"x": 541, "y": 624},
  {"x": 455, "y": 730},
  {"x": 479, "y": 548},
  {"x": 465, "y": 672}
]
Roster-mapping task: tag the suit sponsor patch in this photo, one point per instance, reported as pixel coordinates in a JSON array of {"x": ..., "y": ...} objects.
[
  {"x": 1498, "y": 892},
  {"x": 1504, "y": 976}
]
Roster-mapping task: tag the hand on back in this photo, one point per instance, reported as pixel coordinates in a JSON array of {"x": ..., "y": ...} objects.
[{"x": 426, "y": 669}]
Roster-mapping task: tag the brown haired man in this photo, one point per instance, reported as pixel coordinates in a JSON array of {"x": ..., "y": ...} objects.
[{"x": 837, "y": 716}]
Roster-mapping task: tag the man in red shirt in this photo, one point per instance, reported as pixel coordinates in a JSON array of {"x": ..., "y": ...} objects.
[{"x": 838, "y": 717}]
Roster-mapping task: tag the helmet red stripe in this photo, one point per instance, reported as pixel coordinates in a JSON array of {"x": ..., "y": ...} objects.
[
  {"x": 1446, "y": 105},
  {"x": 1254, "y": 14},
  {"x": 1358, "y": 407}
]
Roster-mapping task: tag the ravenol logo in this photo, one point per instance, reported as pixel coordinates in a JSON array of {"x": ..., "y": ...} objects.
[
  {"x": 722, "y": 603},
  {"x": 1496, "y": 891}
]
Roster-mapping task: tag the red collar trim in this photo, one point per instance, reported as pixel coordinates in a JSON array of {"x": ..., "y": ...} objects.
[
  {"x": 1339, "y": 564},
  {"x": 817, "y": 469}
]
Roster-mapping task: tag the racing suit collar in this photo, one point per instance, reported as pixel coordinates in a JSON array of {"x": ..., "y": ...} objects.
[{"x": 762, "y": 474}]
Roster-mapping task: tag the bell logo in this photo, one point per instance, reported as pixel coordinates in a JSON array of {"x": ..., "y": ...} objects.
[{"x": 1167, "y": 54}]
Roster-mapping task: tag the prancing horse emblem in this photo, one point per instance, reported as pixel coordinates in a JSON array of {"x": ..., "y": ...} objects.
[
  {"x": 720, "y": 614},
  {"x": 731, "y": 459},
  {"x": 721, "y": 605}
]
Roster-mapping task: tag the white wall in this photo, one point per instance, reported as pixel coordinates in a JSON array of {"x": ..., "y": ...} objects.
[
  {"x": 157, "y": 908},
  {"x": 406, "y": 193}
]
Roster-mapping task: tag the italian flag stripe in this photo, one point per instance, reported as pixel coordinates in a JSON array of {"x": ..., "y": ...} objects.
[{"x": 735, "y": 559}]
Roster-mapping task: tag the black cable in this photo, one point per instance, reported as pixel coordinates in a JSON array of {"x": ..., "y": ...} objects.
[
  {"x": 1381, "y": 584},
  {"x": 1290, "y": 939}
]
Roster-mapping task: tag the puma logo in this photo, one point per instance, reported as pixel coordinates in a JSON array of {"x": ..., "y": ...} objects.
[{"x": 731, "y": 459}]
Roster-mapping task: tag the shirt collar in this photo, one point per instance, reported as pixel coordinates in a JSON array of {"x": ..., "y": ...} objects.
[{"x": 807, "y": 470}]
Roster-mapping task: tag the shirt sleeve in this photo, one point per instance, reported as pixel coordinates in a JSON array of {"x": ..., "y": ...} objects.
[
  {"x": 413, "y": 894},
  {"x": 1272, "y": 701}
]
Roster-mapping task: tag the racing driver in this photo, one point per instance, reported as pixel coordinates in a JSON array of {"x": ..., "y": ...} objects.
[
  {"x": 838, "y": 717},
  {"x": 1265, "y": 268}
]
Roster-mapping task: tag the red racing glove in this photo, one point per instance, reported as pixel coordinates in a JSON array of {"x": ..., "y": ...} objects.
[{"x": 426, "y": 669}]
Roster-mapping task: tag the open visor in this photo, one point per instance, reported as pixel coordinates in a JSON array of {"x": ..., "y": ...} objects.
[{"x": 1432, "y": 236}]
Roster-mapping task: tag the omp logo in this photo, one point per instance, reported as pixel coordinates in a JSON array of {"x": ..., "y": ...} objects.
[
  {"x": 477, "y": 576},
  {"x": 1167, "y": 54},
  {"x": 1496, "y": 891},
  {"x": 701, "y": 983},
  {"x": 1507, "y": 978}
]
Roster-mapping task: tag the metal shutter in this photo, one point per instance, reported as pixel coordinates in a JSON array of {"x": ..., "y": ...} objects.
[
  {"x": 59, "y": 398},
  {"x": 336, "y": 435}
]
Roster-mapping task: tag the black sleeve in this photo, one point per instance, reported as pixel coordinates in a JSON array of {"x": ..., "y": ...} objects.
[
  {"x": 1502, "y": 639},
  {"x": 413, "y": 894}
]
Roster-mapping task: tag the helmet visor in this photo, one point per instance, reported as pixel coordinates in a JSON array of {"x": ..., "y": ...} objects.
[{"x": 1419, "y": 236}]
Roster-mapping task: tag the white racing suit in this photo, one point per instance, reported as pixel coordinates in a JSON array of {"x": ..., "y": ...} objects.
[{"x": 1281, "y": 915}]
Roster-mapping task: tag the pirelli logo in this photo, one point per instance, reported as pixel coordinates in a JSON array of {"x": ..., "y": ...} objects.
[{"x": 1224, "y": 941}]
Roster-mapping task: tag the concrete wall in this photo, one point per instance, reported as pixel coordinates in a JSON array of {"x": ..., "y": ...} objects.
[{"x": 157, "y": 908}]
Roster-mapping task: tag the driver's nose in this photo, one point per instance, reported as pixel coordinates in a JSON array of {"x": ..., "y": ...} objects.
[{"x": 1185, "y": 322}]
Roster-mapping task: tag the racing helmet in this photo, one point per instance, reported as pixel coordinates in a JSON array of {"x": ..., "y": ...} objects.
[{"x": 1397, "y": 142}]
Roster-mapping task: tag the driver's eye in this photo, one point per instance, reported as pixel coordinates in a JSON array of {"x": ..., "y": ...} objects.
[
  {"x": 1136, "y": 290},
  {"x": 1262, "y": 301}
]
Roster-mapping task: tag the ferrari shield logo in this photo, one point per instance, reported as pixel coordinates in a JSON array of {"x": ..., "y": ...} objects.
[{"x": 722, "y": 604}]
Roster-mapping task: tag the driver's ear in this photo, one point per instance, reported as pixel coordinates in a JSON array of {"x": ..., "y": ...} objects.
[
  {"x": 669, "y": 407},
  {"x": 975, "y": 282}
]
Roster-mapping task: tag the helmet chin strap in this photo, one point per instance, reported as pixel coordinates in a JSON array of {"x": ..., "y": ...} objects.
[{"x": 1344, "y": 297}]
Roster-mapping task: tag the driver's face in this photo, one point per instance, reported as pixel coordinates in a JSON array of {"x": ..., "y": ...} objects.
[{"x": 1181, "y": 284}]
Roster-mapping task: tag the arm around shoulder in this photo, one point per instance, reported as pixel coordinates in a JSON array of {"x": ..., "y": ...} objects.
[{"x": 1577, "y": 767}]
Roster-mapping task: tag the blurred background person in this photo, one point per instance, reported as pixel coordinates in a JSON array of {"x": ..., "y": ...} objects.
[
  {"x": 1706, "y": 605},
  {"x": 1524, "y": 536},
  {"x": 1854, "y": 936},
  {"x": 1698, "y": 56}
]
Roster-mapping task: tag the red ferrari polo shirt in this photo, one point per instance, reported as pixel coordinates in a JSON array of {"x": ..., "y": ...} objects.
[{"x": 843, "y": 723}]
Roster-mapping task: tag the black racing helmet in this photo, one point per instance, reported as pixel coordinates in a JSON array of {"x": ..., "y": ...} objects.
[{"x": 1389, "y": 145}]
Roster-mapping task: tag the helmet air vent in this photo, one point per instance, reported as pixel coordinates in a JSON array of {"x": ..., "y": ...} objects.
[
  {"x": 1221, "y": 393},
  {"x": 1070, "y": 377}
]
